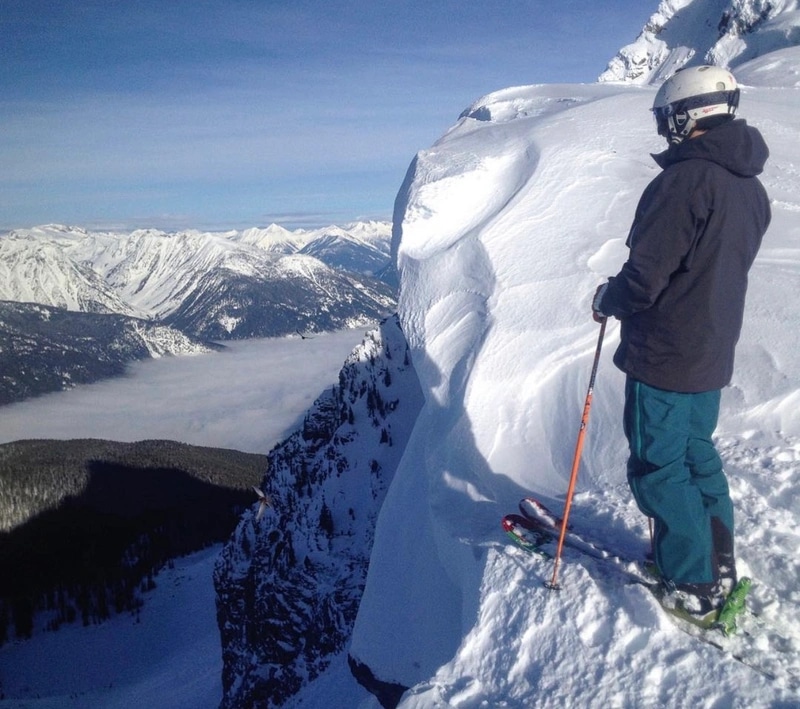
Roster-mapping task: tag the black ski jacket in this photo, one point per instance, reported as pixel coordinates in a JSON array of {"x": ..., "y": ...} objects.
[{"x": 697, "y": 229}]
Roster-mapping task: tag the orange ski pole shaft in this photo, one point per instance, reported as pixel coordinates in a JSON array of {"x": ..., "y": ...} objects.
[{"x": 576, "y": 459}]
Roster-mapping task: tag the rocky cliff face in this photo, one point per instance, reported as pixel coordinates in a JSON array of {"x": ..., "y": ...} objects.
[
  {"x": 691, "y": 32},
  {"x": 289, "y": 584}
]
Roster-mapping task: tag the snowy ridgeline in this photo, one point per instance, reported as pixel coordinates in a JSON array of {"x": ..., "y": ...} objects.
[{"x": 152, "y": 274}]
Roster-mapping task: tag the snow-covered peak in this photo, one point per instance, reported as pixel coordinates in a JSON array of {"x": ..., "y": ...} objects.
[
  {"x": 273, "y": 238},
  {"x": 35, "y": 268},
  {"x": 279, "y": 239},
  {"x": 691, "y": 32},
  {"x": 370, "y": 230}
]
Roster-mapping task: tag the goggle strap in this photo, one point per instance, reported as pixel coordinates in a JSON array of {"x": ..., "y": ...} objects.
[{"x": 729, "y": 97}]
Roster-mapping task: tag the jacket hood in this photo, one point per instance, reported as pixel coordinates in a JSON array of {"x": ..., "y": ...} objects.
[{"x": 737, "y": 147}]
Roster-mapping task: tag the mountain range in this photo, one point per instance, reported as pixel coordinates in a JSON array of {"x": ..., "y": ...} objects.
[{"x": 78, "y": 305}]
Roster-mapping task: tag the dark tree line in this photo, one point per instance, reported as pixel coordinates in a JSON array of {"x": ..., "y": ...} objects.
[
  {"x": 36, "y": 475},
  {"x": 98, "y": 550}
]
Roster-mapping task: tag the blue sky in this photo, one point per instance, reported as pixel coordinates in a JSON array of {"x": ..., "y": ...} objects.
[{"x": 217, "y": 114}]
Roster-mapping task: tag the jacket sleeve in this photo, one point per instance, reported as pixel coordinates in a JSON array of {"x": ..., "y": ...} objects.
[{"x": 671, "y": 215}]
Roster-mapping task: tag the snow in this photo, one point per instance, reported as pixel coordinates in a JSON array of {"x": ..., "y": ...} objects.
[
  {"x": 683, "y": 32},
  {"x": 147, "y": 272},
  {"x": 169, "y": 657},
  {"x": 509, "y": 222},
  {"x": 507, "y": 225}
]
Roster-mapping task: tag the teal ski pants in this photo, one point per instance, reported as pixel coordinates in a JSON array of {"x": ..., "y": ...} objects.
[{"x": 676, "y": 477}]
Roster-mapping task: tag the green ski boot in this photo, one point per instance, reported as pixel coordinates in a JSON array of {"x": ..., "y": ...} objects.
[{"x": 733, "y": 607}]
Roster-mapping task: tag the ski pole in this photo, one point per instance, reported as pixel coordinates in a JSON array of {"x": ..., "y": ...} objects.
[{"x": 553, "y": 583}]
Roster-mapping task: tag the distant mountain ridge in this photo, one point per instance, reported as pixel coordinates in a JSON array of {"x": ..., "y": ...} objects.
[
  {"x": 79, "y": 304},
  {"x": 149, "y": 273}
]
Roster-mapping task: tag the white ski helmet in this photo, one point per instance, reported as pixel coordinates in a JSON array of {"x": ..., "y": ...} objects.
[{"x": 699, "y": 97}]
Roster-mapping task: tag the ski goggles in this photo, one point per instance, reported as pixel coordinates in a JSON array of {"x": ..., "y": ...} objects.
[{"x": 679, "y": 111}]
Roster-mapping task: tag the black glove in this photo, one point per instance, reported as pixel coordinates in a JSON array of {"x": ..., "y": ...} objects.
[{"x": 597, "y": 313}]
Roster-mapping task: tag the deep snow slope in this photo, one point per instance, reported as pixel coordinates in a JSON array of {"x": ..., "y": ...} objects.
[{"x": 503, "y": 229}]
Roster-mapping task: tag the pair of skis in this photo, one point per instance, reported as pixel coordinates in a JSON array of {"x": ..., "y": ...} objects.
[{"x": 536, "y": 528}]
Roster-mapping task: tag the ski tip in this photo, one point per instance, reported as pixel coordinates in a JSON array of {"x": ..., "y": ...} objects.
[
  {"x": 510, "y": 521},
  {"x": 535, "y": 509}
]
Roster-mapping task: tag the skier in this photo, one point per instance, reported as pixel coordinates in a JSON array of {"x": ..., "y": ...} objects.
[{"x": 680, "y": 299}]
